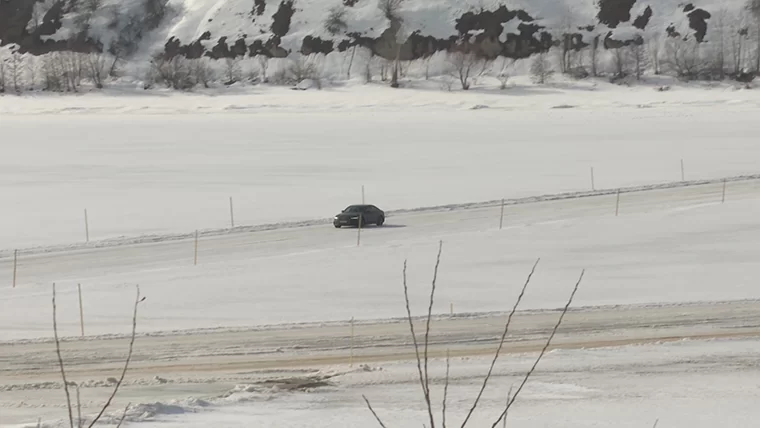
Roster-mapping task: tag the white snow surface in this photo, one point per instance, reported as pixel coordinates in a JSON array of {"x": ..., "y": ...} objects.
[{"x": 152, "y": 170}]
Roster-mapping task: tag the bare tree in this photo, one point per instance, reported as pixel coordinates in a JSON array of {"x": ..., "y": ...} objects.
[
  {"x": 232, "y": 71},
  {"x": 503, "y": 71},
  {"x": 620, "y": 62},
  {"x": 739, "y": 34},
  {"x": 96, "y": 68},
  {"x": 391, "y": 9},
  {"x": 753, "y": 8},
  {"x": 32, "y": 68},
  {"x": 637, "y": 53},
  {"x": 564, "y": 35},
  {"x": 62, "y": 366},
  {"x": 595, "y": 56},
  {"x": 540, "y": 69},
  {"x": 464, "y": 65},
  {"x": 2, "y": 73},
  {"x": 653, "y": 43},
  {"x": 16, "y": 71},
  {"x": 422, "y": 356},
  {"x": 52, "y": 73},
  {"x": 263, "y": 67},
  {"x": 717, "y": 43}
]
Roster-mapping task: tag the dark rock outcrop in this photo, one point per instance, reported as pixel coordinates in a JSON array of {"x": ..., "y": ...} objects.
[{"x": 613, "y": 12}]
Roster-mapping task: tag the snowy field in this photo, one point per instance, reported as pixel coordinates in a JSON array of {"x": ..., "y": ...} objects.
[
  {"x": 680, "y": 385},
  {"x": 153, "y": 174},
  {"x": 150, "y": 170}
]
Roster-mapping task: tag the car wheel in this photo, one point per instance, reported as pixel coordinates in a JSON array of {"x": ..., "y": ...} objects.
[
  {"x": 380, "y": 221},
  {"x": 337, "y": 226}
]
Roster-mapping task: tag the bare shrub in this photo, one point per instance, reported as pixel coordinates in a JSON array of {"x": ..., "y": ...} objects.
[
  {"x": 201, "y": 72},
  {"x": 682, "y": 58},
  {"x": 336, "y": 20},
  {"x": 173, "y": 72},
  {"x": 96, "y": 68},
  {"x": 422, "y": 356},
  {"x": 463, "y": 66},
  {"x": 306, "y": 67},
  {"x": 541, "y": 70}
]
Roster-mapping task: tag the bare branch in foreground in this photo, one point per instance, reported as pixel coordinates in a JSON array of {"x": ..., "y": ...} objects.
[
  {"x": 377, "y": 418},
  {"x": 655, "y": 423},
  {"x": 60, "y": 361},
  {"x": 543, "y": 351},
  {"x": 79, "y": 408},
  {"x": 509, "y": 396},
  {"x": 123, "y": 415},
  {"x": 126, "y": 364},
  {"x": 427, "y": 332},
  {"x": 445, "y": 390},
  {"x": 501, "y": 343},
  {"x": 425, "y": 391}
]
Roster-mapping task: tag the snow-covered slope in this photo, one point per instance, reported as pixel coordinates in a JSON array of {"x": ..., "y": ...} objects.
[{"x": 228, "y": 28}]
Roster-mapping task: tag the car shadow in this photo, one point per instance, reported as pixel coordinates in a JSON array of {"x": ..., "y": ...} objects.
[{"x": 373, "y": 227}]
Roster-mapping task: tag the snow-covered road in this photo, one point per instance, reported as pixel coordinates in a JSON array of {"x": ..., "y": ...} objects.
[
  {"x": 247, "y": 278},
  {"x": 205, "y": 364}
]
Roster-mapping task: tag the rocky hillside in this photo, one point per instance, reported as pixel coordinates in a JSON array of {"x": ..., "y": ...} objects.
[{"x": 407, "y": 29}]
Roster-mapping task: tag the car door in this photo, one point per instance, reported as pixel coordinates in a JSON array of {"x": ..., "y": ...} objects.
[{"x": 370, "y": 214}]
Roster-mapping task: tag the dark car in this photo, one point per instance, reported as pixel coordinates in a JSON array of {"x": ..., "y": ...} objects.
[{"x": 369, "y": 214}]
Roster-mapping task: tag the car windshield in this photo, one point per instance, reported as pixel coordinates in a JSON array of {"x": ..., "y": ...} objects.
[{"x": 353, "y": 209}]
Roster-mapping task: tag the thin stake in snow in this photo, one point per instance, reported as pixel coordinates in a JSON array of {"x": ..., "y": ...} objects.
[
  {"x": 501, "y": 218},
  {"x": 359, "y": 232},
  {"x": 15, "y": 264},
  {"x": 232, "y": 214},
  {"x": 362, "y": 194},
  {"x": 451, "y": 309},
  {"x": 593, "y": 187},
  {"x": 723, "y": 198},
  {"x": 81, "y": 309},
  {"x": 195, "y": 259},
  {"x": 617, "y": 204},
  {"x": 86, "y": 227},
  {"x": 351, "y": 356},
  {"x": 683, "y": 175}
]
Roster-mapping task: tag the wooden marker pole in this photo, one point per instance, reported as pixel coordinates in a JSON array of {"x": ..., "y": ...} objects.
[
  {"x": 195, "y": 259},
  {"x": 683, "y": 175},
  {"x": 617, "y": 204},
  {"x": 351, "y": 356},
  {"x": 362, "y": 194},
  {"x": 501, "y": 218},
  {"x": 593, "y": 186},
  {"x": 232, "y": 214},
  {"x": 81, "y": 309},
  {"x": 15, "y": 264},
  {"x": 723, "y": 197},
  {"x": 86, "y": 227}
]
